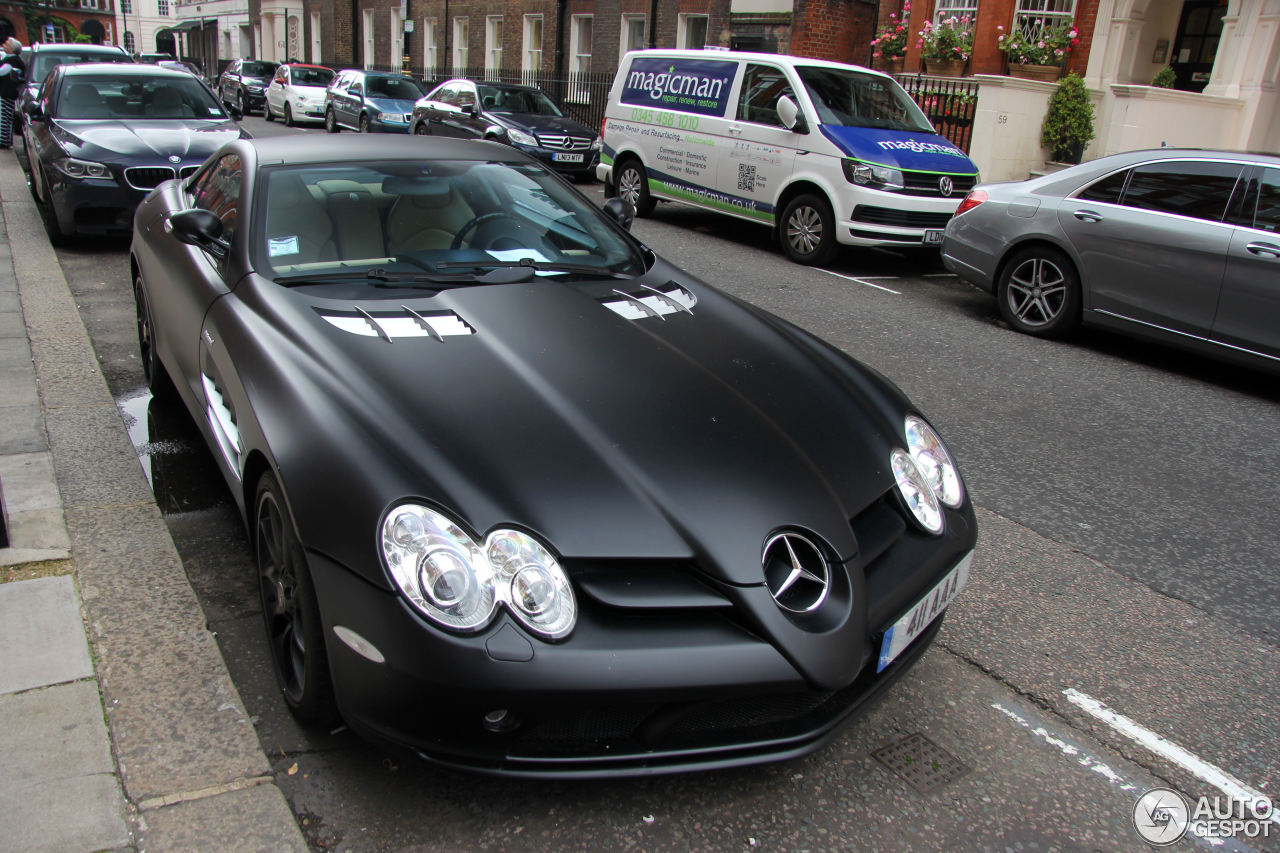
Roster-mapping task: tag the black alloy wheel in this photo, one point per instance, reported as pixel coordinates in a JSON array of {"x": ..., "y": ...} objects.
[
  {"x": 48, "y": 215},
  {"x": 244, "y": 103},
  {"x": 290, "y": 611},
  {"x": 1039, "y": 292},
  {"x": 153, "y": 371},
  {"x": 633, "y": 187},
  {"x": 420, "y": 129},
  {"x": 808, "y": 230}
]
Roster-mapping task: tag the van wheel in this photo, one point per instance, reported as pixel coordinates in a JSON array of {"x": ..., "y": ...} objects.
[
  {"x": 808, "y": 231},
  {"x": 633, "y": 187}
]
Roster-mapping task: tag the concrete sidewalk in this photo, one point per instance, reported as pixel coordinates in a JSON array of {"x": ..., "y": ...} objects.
[{"x": 120, "y": 728}]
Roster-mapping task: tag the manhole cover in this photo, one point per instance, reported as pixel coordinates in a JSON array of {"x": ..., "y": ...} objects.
[{"x": 921, "y": 762}]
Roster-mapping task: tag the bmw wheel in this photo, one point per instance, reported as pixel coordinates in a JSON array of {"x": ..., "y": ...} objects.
[
  {"x": 290, "y": 610},
  {"x": 633, "y": 187},
  {"x": 1039, "y": 292},
  {"x": 49, "y": 215},
  {"x": 808, "y": 230},
  {"x": 330, "y": 121}
]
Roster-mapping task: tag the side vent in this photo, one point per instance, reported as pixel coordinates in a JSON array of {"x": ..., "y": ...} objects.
[
  {"x": 651, "y": 302},
  {"x": 223, "y": 423}
]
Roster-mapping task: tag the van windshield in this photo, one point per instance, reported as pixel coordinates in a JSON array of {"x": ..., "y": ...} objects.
[{"x": 856, "y": 99}]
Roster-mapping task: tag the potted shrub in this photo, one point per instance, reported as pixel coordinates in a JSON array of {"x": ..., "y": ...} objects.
[
  {"x": 1041, "y": 58},
  {"x": 889, "y": 46},
  {"x": 1068, "y": 124},
  {"x": 1166, "y": 78},
  {"x": 946, "y": 45}
]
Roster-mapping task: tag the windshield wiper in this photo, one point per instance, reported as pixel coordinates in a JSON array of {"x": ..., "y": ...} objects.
[
  {"x": 377, "y": 277},
  {"x": 529, "y": 263}
]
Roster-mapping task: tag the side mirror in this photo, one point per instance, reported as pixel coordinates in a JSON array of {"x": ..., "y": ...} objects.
[
  {"x": 33, "y": 111},
  {"x": 199, "y": 228},
  {"x": 620, "y": 212},
  {"x": 790, "y": 114},
  {"x": 236, "y": 113},
  {"x": 472, "y": 109}
]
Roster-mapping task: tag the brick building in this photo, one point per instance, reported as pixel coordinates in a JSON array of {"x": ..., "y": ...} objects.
[{"x": 59, "y": 21}]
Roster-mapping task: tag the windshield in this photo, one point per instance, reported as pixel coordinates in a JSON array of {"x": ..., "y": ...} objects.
[
  {"x": 46, "y": 61},
  {"x": 456, "y": 218},
  {"x": 857, "y": 99},
  {"x": 503, "y": 99},
  {"x": 98, "y": 96},
  {"x": 257, "y": 69},
  {"x": 310, "y": 76},
  {"x": 396, "y": 88}
]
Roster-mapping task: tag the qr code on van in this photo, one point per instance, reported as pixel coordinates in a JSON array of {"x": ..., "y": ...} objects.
[{"x": 746, "y": 178}]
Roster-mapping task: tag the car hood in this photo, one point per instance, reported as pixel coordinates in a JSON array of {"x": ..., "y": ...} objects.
[
  {"x": 675, "y": 436},
  {"x": 541, "y": 124},
  {"x": 392, "y": 105},
  {"x": 899, "y": 149},
  {"x": 316, "y": 92},
  {"x": 255, "y": 81},
  {"x": 192, "y": 140}
]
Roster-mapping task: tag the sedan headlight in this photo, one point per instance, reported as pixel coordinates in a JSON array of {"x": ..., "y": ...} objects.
[
  {"x": 255, "y": 90},
  {"x": 74, "y": 168},
  {"x": 872, "y": 175},
  {"x": 458, "y": 584},
  {"x": 916, "y": 491},
  {"x": 934, "y": 461},
  {"x": 520, "y": 137},
  {"x": 596, "y": 144}
]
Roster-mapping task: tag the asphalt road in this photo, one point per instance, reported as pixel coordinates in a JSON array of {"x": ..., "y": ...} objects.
[{"x": 1126, "y": 499}]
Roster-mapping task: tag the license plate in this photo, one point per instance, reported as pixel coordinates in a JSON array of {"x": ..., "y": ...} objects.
[
  {"x": 562, "y": 157},
  {"x": 928, "y": 608},
  {"x": 933, "y": 238}
]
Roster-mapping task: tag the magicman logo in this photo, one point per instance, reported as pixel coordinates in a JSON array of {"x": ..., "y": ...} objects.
[
  {"x": 689, "y": 85},
  {"x": 919, "y": 147}
]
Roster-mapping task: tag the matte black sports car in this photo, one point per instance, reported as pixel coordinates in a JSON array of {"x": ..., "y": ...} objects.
[
  {"x": 526, "y": 498},
  {"x": 521, "y": 116},
  {"x": 100, "y": 137}
]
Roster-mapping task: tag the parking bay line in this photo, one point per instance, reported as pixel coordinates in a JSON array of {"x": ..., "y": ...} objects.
[
  {"x": 1217, "y": 777},
  {"x": 863, "y": 282}
]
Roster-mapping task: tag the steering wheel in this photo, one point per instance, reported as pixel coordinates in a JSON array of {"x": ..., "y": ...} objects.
[{"x": 476, "y": 223}]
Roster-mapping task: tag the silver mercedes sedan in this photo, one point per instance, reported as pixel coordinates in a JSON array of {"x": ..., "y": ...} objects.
[{"x": 1175, "y": 245}]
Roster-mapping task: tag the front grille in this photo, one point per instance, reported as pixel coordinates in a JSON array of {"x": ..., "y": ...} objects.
[
  {"x": 899, "y": 218},
  {"x": 188, "y": 171},
  {"x": 147, "y": 177},
  {"x": 926, "y": 183},
  {"x": 565, "y": 143}
]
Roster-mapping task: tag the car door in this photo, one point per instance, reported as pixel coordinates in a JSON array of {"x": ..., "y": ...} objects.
[
  {"x": 1249, "y": 310},
  {"x": 277, "y": 90},
  {"x": 461, "y": 121},
  {"x": 229, "y": 87},
  {"x": 761, "y": 151},
  {"x": 193, "y": 277},
  {"x": 1158, "y": 255},
  {"x": 353, "y": 102}
]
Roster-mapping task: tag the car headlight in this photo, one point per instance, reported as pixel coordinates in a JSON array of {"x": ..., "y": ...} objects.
[
  {"x": 74, "y": 168},
  {"x": 596, "y": 144},
  {"x": 458, "y": 584},
  {"x": 520, "y": 137},
  {"x": 916, "y": 491},
  {"x": 255, "y": 90},
  {"x": 934, "y": 461},
  {"x": 872, "y": 175}
]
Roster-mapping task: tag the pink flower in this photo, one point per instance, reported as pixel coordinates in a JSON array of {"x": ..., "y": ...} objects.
[{"x": 1000, "y": 27}]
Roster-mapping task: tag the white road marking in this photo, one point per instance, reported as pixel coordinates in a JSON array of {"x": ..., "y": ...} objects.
[
  {"x": 861, "y": 281},
  {"x": 1215, "y": 776}
]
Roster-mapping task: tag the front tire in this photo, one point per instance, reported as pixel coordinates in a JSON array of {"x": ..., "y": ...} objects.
[
  {"x": 808, "y": 230},
  {"x": 420, "y": 129},
  {"x": 330, "y": 122},
  {"x": 1039, "y": 293},
  {"x": 153, "y": 370},
  {"x": 633, "y": 187},
  {"x": 290, "y": 611},
  {"x": 49, "y": 215},
  {"x": 364, "y": 124},
  {"x": 244, "y": 104},
  {"x": 288, "y": 115}
]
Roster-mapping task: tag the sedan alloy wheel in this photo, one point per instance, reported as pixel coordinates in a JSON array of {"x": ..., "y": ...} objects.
[{"x": 1039, "y": 293}]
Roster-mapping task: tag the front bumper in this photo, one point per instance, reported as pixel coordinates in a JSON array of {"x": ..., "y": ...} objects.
[
  {"x": 94, "y": 206},
  {"x": 877, "y": 218},
  {"x": 384, "y": 124},
  {"x": 548, "y": 158},
  {"x": 254, "y": 101}
]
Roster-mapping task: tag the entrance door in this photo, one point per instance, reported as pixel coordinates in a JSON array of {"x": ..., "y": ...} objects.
[{"x": 1196, "y": 45}]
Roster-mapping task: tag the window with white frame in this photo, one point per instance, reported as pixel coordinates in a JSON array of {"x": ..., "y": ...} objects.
[
  {"x": 397, "y": 39},
  {"x": 691, "y": 32},
  {"x": 632, "y": 35},
  {"x": 531, "y": 62},
  {"x": 493, "y": 43},
  {"x": 461, "y": 45},
  {"x": 368, "y": 38},
  {"x": 429, "y": 48},
  {"x": 955, "y": 9},
  {"x": 88, "y": 4},
  {"x": 580, "y": 57},
  {"x": 162, "y": 8},
  {"x": 1035, "y": 16},
  {"x": 129, "y": 41},
  {"x": 315, "y": 37}
]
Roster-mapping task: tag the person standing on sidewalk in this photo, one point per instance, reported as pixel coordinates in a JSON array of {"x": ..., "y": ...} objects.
[{"x": 13, "y": 72}]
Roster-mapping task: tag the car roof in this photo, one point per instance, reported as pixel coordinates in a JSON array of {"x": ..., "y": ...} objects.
[
  {"x": 1148, "y": 154},
  {"x": 117, "y": 69},
  {"x": 319, "y": 149},
  {"x": 76, "y": 47},
  {"x": 308, "y": 65},
  {"x": 740, "y": 55}
]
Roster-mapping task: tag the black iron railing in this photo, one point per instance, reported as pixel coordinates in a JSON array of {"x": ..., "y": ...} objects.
[{"x": 949, "y": 102}]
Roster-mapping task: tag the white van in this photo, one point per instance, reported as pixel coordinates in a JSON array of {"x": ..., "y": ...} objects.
[{"x": 825, "y": 153}]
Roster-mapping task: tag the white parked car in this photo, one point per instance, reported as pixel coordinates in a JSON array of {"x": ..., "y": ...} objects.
[{"x": 296, "y": 93}]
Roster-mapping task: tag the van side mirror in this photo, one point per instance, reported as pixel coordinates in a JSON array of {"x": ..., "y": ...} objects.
[
  {"x": 200, "y": 228},
  {"x": 790, "y": 114},
  {"x": 620, "y": 212}
]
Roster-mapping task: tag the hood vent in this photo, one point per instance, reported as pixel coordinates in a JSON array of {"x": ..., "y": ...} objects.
[
  {"x": 651, "y": 302},
  {"x": 404, "y": 324}
]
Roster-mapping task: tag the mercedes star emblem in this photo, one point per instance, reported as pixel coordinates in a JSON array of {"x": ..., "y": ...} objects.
[{"x": 796, "y": 572}]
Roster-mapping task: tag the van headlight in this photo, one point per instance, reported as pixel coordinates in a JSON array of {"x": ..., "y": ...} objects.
[{"x": 872, "y": 175}]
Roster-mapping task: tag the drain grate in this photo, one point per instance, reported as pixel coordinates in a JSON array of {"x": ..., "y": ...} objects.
[{"x": 921, "y": 762}]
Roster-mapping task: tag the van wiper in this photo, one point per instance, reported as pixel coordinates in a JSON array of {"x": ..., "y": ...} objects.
[{"x": 529, "y": 263}]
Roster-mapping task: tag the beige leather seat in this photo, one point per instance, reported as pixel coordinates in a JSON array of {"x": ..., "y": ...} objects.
[
  {"x": 357, "y": 224},
  {"x": 424, "y": 221},
  {"x": 299, "y": 230}
]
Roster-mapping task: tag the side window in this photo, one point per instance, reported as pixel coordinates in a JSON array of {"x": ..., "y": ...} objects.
[
  {"x": 1195, "y": 188},
  {"x": 356, "y": 90},
  {"x": 1107, "y": 190},
  {"x": 466, "y": 96},
  {"x": 448, "y": 95},
  {"x": 282, "y": 75},
  {"x": 762, "y": 86},
  {"x": 1267, "y": 217},
  {"x": 218, "y": 190}
]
